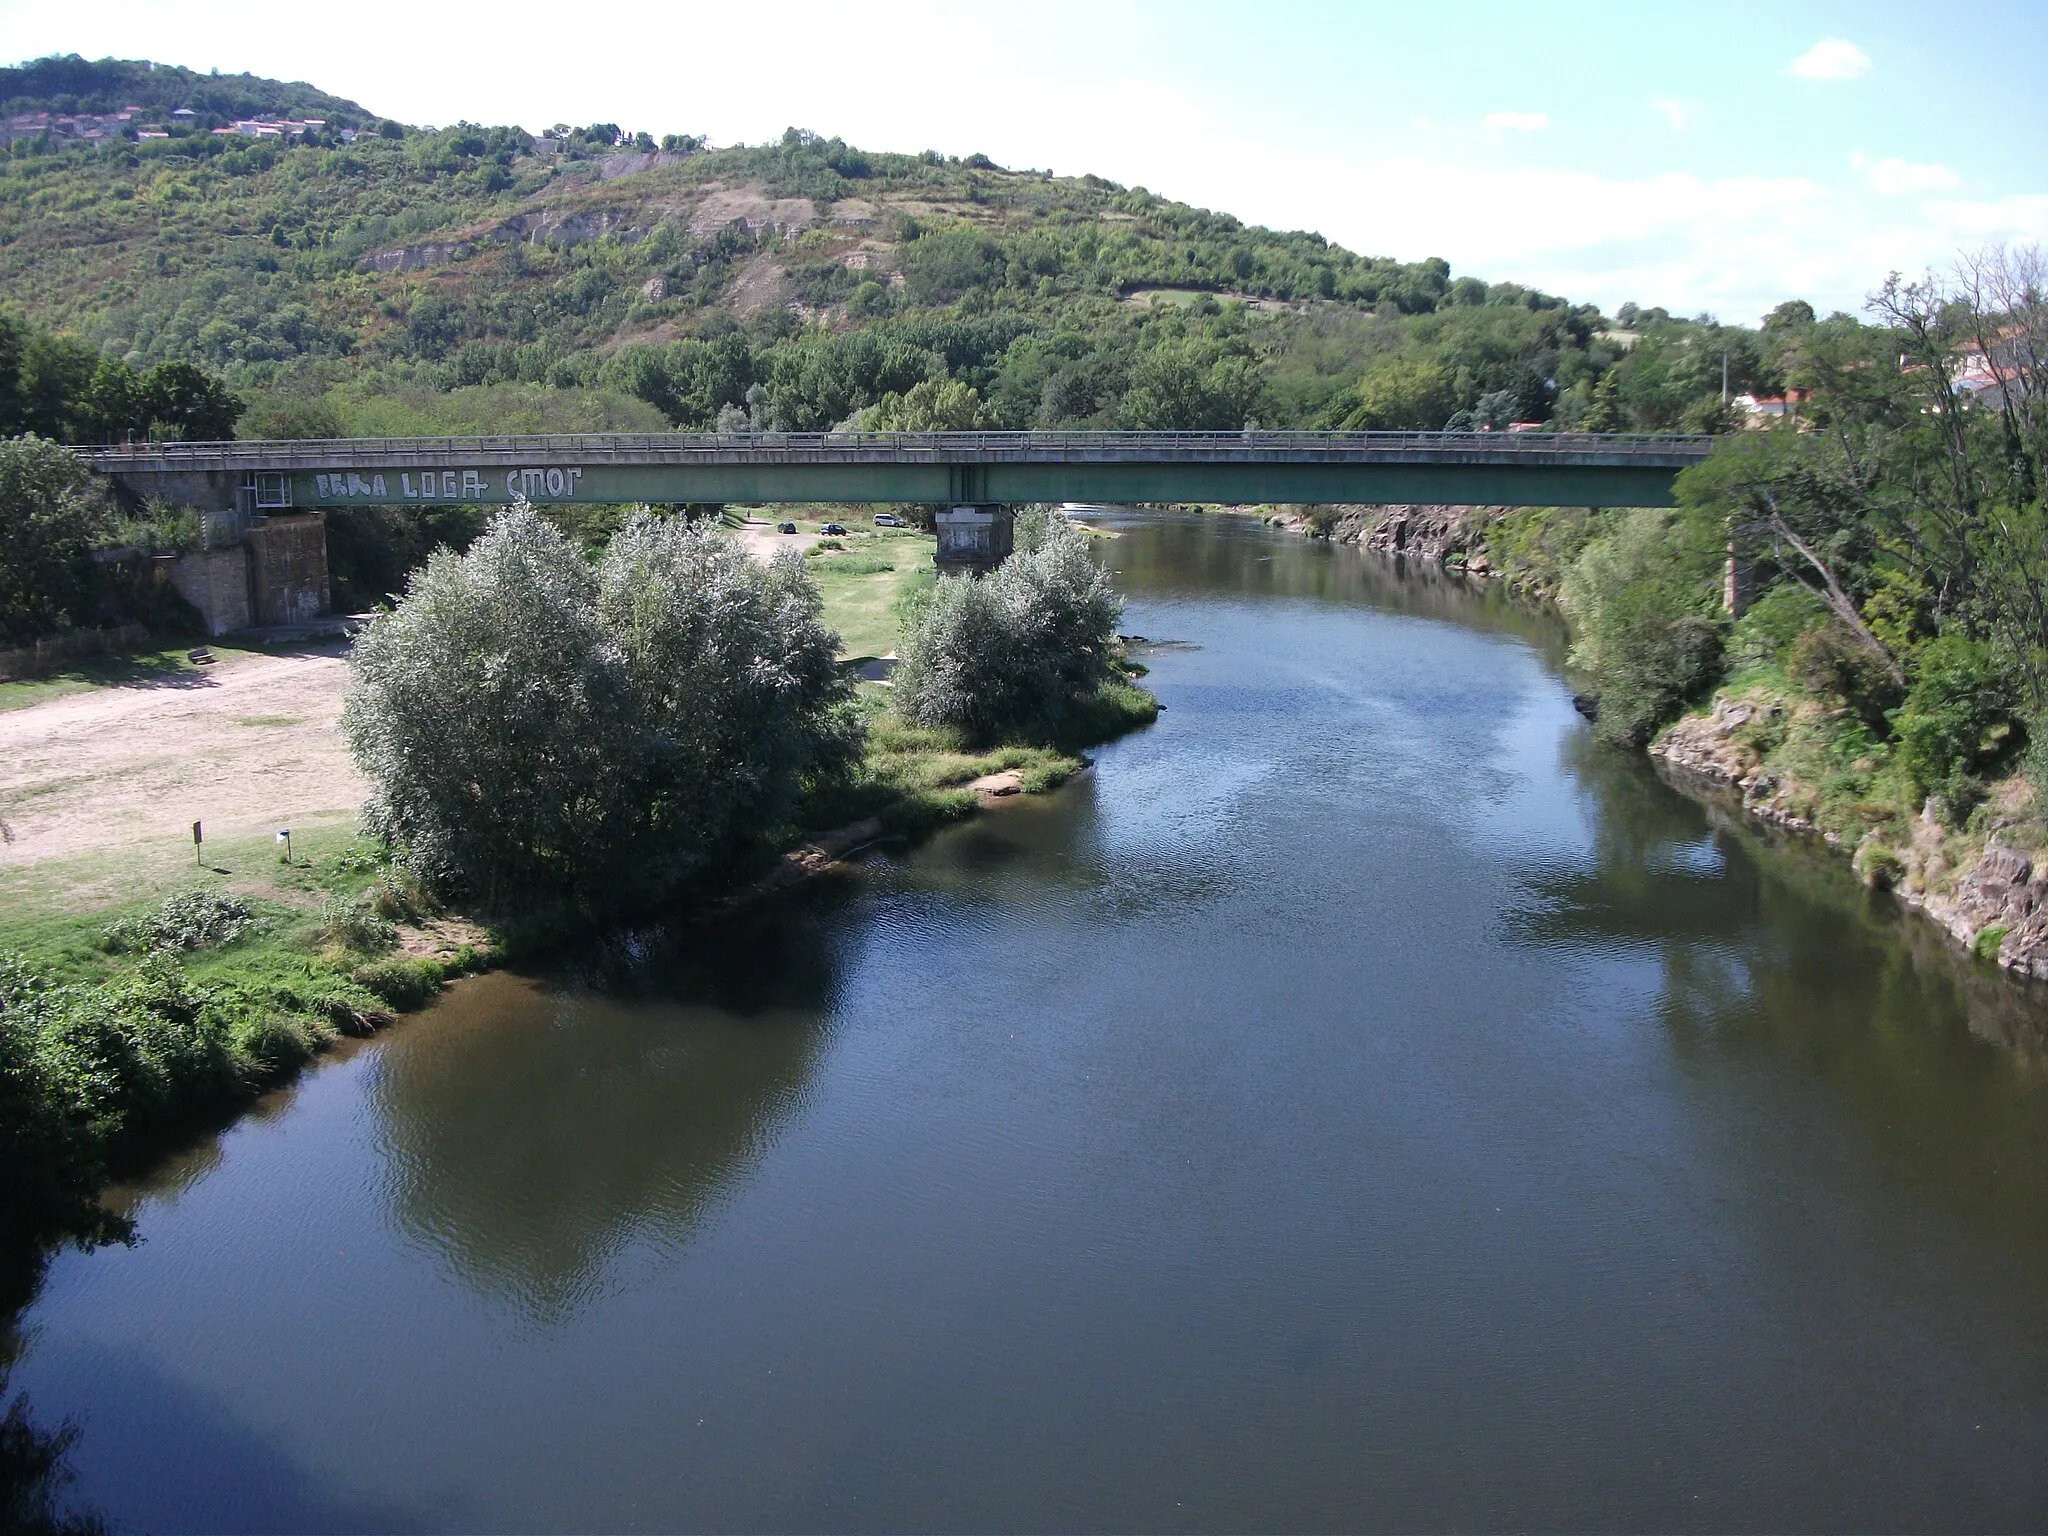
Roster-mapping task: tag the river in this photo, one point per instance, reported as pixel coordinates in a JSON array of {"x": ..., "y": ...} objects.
[{"x": 1361, "y": 1102}]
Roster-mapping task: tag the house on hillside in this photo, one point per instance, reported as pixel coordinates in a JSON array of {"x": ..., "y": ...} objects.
[{"x": 1762, "y": 410}]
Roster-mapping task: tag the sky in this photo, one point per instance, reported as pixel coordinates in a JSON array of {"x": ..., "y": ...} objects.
[{"x": 1709, "y": 158}]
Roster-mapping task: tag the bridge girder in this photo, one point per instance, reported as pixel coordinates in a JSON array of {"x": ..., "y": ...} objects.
[{"x": 930, "y": 468}]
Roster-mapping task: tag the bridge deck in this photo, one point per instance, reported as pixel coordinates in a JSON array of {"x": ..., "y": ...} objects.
[{"x": 1512, "y": 468}]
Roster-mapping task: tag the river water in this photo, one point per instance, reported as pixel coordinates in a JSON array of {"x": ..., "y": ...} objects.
[{"x": 1359, "y": 1103}]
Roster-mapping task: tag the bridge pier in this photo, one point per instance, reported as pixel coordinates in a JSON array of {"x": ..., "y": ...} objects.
[{"x": 974, "y": 539}]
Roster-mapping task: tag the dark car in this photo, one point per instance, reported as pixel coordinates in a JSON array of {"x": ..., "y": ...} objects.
[
  {"x": 833, "y": 530},
  {"x": 785, "y": 527}
]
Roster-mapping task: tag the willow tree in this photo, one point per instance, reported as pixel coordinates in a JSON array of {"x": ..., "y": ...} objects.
[{"x": 538, "y": 730}]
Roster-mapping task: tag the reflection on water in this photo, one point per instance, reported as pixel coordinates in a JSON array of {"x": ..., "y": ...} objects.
[
  {"x": 543, "y": 1126},
  {"x": 1361, "y": 1102}
]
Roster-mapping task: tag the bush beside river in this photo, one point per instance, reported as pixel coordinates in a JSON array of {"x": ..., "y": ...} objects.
[{"x": 691, "y": 696}]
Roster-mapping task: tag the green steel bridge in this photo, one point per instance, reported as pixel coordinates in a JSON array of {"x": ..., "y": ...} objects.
[{"x": 964, "y": 469}]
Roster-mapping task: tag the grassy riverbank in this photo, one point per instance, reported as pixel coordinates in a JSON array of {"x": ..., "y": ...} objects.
[{"x": 143, "y": 997}]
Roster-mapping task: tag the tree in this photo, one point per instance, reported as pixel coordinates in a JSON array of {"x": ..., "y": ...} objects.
[
  {"x": 536, "y": 730},
  {"x": 935, "y": 405},
  {"x": 1191, "y": 386},
  {"x": 50, "y": 513},
  {"x": 1013, "y": 653},
  {"x": 1645, "y": 624},
  {"x": 1401, "y": 394},
  {"x": 189, "y": 404}
]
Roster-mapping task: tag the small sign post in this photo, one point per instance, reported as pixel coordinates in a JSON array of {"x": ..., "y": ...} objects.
[
  {"x": 195, "y": 842},
  {"x": 284, "y": 840}
]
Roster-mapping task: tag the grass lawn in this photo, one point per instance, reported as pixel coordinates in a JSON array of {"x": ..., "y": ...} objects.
[
  {"x": 864, "y": 586},
  {"x": 109, "y": 671}
]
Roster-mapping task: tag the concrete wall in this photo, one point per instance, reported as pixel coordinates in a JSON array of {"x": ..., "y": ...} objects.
[
  {"x": 216, "y": 582},
  {"x": 207, "y": 489},
  {"x": 288, "y": 565}
]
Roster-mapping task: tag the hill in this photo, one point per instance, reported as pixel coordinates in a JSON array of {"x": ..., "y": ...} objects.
[
  {"x": 594, "y": 277},
  {"x": 68, "y": 83}
]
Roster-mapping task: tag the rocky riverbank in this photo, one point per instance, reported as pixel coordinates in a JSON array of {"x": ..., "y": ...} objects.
[
  {"x": 1985, "y": 885},
  {"x": 1989, "y": 895}
]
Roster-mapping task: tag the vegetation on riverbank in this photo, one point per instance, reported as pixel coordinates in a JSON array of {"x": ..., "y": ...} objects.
[
  {"x": 1886, "y": 681},
  {"x": 124, "y": 1028}
]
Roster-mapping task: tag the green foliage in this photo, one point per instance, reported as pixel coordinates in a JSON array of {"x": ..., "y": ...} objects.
[
  {"x": 930, "y": 405},
  {"x": 1011, "y": 655},
  {"x": 535, "y": 726},
  {"x": 1767, "y": 632},
  {"x": 354, "y": 923},
  {"x": 1645, "y": 630},
  {"x": 51, "y": 1163},
  {"x": 1955, "y": 718},
  {"x": 189, "y": 920},
  {"x": 51, "y": 514},
  {"x": 1401, "y": 394},
  {"x": 401, "y": 982}
]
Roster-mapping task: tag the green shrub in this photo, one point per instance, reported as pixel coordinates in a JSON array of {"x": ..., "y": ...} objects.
[
  {"x": 1986, "y": 945},
  {"x": 1956, "y": 717},
  {"x": 272, "y": 1048},
  {"x": 1880, "y": 868},
  {"x": 137, "y": 1052},
  {"x": 189, "y": 920},
  {"x": 1829, "y": 661},
  {"x": 1774, "y": 622},
  {"x": 1013, "y": 654},
  {"x": 539, "y": 731},
  {"x": 352, "y": 922},
  {"x": 51, "y": 1163},
  {"x": 1647, "y": 628},
  {"x": 401, "y": 982}
]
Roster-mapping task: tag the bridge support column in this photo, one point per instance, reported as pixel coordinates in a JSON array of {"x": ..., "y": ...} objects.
[{"x": 974, "y": 539}]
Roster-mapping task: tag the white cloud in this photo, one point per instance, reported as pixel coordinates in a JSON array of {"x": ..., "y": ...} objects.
[
  {"x": 1516, "y": 122},
  {"x": 1832, "y": 58},
  {"x": 1894, "y": 177},
  {"x": 1677, "y": 113}
]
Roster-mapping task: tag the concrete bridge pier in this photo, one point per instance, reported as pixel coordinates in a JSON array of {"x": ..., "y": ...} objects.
[{"x": 974, "y": 538}]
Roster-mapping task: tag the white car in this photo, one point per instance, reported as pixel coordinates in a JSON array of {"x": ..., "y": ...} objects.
[{"x": 889, "y": 520}]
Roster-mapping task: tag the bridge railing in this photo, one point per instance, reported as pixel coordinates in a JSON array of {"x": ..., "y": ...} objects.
[{"x": 908, "y": 446}]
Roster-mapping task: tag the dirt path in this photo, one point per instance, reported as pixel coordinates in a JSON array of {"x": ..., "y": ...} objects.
[
  {"x": 244, "y": 747},
  {"x": 762, "y": 541}
]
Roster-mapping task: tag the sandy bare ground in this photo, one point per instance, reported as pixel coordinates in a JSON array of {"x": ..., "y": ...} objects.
[
  {"x": 245, "y": 747},
  {"x": 762, "y": 541}
]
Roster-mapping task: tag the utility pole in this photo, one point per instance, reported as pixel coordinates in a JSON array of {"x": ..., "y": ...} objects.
[{"x": 1724, "y": 375}]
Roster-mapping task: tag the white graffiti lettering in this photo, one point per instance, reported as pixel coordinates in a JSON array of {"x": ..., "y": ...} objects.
[{"x": 421, "y": 483}]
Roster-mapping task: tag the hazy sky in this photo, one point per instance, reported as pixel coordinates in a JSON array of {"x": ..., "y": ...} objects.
[{"x": 1705, "y": 157}]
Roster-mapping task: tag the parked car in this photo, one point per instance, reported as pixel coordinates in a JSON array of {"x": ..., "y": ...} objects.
[
  {"x": 785, "y": 527},
  {"x": 833, "y": 530},
  {"x": 889, "y": 520}
]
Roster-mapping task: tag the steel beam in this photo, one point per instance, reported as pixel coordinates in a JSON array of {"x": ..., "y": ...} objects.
[{"x": 1532, "y": 469}]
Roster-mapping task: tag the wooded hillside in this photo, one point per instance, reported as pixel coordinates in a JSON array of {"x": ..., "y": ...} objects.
[{"x": 350, "y": 286}]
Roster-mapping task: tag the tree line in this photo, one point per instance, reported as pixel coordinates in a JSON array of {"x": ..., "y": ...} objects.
[{"x": 1886, "y": 545}]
